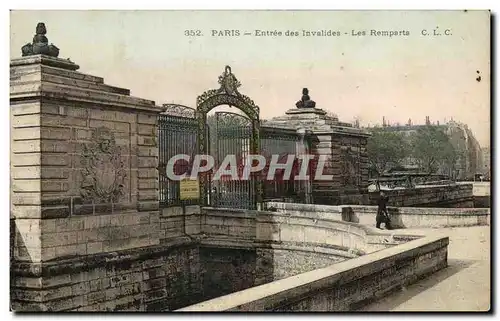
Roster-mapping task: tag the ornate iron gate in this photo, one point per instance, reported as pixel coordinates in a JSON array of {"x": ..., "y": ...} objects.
[
  {"x": 230, "y": 141},
  {"x": 184, "y": 130},
  {"x": 228, "y": 94}
]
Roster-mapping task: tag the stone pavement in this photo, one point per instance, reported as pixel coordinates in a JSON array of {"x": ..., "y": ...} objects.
[{"x": 463, "y": 286}]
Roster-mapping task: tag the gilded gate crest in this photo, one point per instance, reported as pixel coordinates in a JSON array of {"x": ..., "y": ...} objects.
[{"x": 103, "y": 172}]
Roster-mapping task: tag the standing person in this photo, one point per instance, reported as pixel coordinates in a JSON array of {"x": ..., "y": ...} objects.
[{"x": 382, "y": 214}]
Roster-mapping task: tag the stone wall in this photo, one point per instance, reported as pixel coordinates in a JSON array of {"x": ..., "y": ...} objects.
[
  {"x": 226, "y": 270},
  {"x": 482, "y": 194},
  {"x": 401, "y": 217},
  {"x": 415, "y": 217},
  {"x": 456, "y": 195},
  {"x": 482, "y": 201},
  {"x": 345, "y": 286},
  {"x": 86, "y": 229},
  {"x": 58, "y": 146},
  {"x": 156, "y": 278},
  {"x": 241, "y": 249}
]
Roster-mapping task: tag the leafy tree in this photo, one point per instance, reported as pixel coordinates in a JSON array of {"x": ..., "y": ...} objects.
[
  {"x": 432, "y": 149},
  {"x": 385, "y": 149}
]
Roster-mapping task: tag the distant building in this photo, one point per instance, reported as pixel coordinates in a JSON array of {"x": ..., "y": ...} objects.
[{"x": 470, "y": 158}]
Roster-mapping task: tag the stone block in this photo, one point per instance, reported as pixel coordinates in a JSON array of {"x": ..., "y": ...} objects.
[
  {"x": 147, "y": 173},
  {"x": 102, "y": 114},
  {"x": 25, "y": 108},
  {"x": 105, "y": 208},
  {"x": 291, "y": 233},
  {"x": 71, "y": 250},
  {"x": 31, "y": 121},
  {"x": 154, "y": 218},
  {"x": 147, "y": 195},
  {"x": 146, "y": 140},
  {"x": 70, "y": 224},
  {"x": 26, "y": 146},
  {"x": 147, "y": 162},
  {"x": 54, "y": 133},
  {"x": 171, "y": 211},
  {"x": 104, "y": 221},
  {"x": 117, "y": 220},
  {"x": 192, "y": 209},
  {"x": 242, "y": 231},
  {"x": 145, "y": 206},
  {"x": 82, "y": 134},
  {"x": 91, "y": 222},
  {"x": 147, "y": 119},
  {"x": 59, "y": 239},
  {"x": 267, "y": 232},
  {"x": 147, "y": 151},
  {"x": 215, "y": 229},
  {"x": 118, "y": 244},
  {"x": 27, "y": 160},
  {"x": 141, "y": 230},
  {"x": 192, "y": 229},
  {"x": 146, "y": 129},
  {"x": 94, "y": 247},
  {"x": 148, "y": 184}
]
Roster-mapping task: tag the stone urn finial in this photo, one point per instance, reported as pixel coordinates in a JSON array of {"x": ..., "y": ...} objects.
[
  {"x": 40, "y": 44},
  {"x": 305, "y": 101}
]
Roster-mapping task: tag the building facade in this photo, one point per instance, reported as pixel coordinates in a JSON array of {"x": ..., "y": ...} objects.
[{"x": 470, "y": 159}]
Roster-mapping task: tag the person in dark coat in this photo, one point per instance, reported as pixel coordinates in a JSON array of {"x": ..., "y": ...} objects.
[{"x": 382, "y": 214}]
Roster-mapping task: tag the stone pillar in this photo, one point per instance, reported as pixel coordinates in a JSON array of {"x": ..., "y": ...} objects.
[
  {"x": 331, "y": 139},
  {"x": 303, "y": 148},
  {"x": 84, "y": 180}
]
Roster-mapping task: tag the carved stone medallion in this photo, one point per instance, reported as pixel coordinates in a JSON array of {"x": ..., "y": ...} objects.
[{"x": 103, "y": 173}]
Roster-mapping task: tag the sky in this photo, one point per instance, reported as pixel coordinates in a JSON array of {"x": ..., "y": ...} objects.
[{"x": 363, "y": 77}]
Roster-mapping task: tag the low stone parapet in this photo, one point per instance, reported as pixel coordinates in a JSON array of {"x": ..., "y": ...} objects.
[
  {"x": 242, "y": 248},
  {"x": 401, "y": 217},
  {"x": 449, "y": 195},
  {"x": 343, "y": 286}
]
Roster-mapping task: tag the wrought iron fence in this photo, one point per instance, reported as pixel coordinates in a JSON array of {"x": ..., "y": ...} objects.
[
  {"x": 177, "y": 132},
  {"x": 283, "y": 142}
]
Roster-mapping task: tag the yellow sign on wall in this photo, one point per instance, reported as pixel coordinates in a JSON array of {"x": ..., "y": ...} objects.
[{"x": 189, "y": 189}]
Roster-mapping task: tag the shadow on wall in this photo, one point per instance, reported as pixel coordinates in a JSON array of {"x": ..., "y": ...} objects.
[
  {"x": 226, "y": 270},
  {"x": 12, "y": 236},
  {"x": 20, "y": 234},
  {"x": 242, "y": 249},
  {"x": 230, "y": 268},
  {"x": 396, "y": 218},
  {"x": 482, "y": 202}
]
